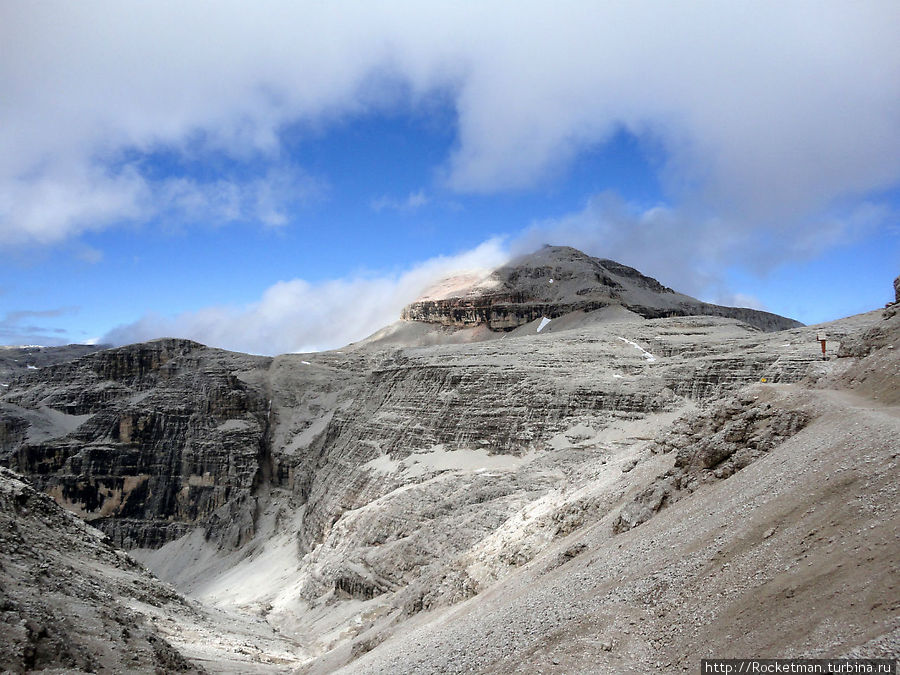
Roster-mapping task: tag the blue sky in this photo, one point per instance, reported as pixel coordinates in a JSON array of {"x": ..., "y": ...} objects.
[{"x": 287, "y": 177}]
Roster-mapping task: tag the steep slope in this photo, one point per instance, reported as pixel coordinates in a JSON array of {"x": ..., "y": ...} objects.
[
  {"x": 755, "y": 526},
  {"x": 426, "y": 475},
  {"x": 70, "y": 602},
  {"x": 65, "y": 594},
  {"x": 558, "y": 280},
  {"x": 777, "y": 560}
]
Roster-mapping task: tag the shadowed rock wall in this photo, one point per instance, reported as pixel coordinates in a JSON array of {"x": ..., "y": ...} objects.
[{"x": 144, "y": 441}]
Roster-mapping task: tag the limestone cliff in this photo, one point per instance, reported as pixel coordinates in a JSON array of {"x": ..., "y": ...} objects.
[
  {"x": 151, "y": 441},
  {"x": 15, "y": 361},
  {"x": 144, "y": 441}
]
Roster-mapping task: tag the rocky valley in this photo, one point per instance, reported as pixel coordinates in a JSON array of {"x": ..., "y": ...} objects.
[{"x": 562, "y": 466}]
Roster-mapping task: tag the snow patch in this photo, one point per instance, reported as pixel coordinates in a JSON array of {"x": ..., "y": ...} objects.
[
  {"x": 437, "y": 459},
  {"x": 647, "y": 355},
  {"x": 31, "y": 367},
  {"x": 544, "y": 322},
  {"x": 306, "y": 363}
]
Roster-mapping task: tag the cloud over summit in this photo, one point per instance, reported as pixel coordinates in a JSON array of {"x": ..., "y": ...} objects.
[
  {"x": 763, "y": 108},
  {"x": 298, "y": 316}
]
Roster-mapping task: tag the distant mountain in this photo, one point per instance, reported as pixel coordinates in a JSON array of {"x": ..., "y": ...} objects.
[
  {"x": 20, "y": 359},
  {"x": 558, "y": 280}
]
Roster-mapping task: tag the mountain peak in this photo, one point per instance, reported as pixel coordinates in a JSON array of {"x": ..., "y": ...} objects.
[{"x": 557, "y": 280}]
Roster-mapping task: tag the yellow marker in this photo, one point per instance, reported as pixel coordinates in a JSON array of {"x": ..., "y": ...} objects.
[{"x": 762, "y": 379}]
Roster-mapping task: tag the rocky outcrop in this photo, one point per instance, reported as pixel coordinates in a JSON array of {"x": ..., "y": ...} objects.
[
  {"x": 877, "y": 350},
  {"x": 422, "y": 408},
  {"x": 70, "y": 602},
  {"x": 500, "y": 312},
  {"x": 421, "y": 440},
  {"x": 66, "y": 594},
  {"x": 558, "y": 280},
  {"x": 713, "y": 446},
  {"x": 882, "y": 334},
  {"x": 144, "y": 441},
  {"x": 151, "y": 441}
]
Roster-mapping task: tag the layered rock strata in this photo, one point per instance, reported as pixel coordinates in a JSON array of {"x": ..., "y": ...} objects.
[
  {"x": 558, "y": 280},
  {"x": 145, "y": 441},
  {"x": 420, "y": 436},
  {"x": 15, "y": 361},
  {"x": 713, "y": 446}
]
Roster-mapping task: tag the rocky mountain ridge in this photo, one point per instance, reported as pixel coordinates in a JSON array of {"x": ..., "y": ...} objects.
[
  {"x": 15, "y": 361},
  {"x": 342, "y": 502}
]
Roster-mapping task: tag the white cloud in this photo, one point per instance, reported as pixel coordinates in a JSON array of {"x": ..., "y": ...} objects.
[
  {"x": 680, "y": 249},
  {"x": 299, "y": 316},
  {"x": 48, "y": 208},
  {"x": 744, "y": 300},
  {"x": 413, "y": 202},
  {"x": 269, "y": 199},
  {"x": 682, "y": 252},
  {"x": 88, "y": 254},
  {"x": 764, "y": 108}
]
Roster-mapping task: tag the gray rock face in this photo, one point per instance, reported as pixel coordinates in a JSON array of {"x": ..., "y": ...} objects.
[
  {"x": 879, "y": 348},
  {"x": 15, "y": 361},
  {"x": 152, "y": 440},
  {"x": 897, "y": 289},
  {"x": 713, "y": 446},
  {"x": 144, "y": 441},
  {"x": 65, "y": 594},
  {"x": 558, "y": 280},
  {"x": 417, "y": 432},
  {"x": 72, "y": 603}
]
